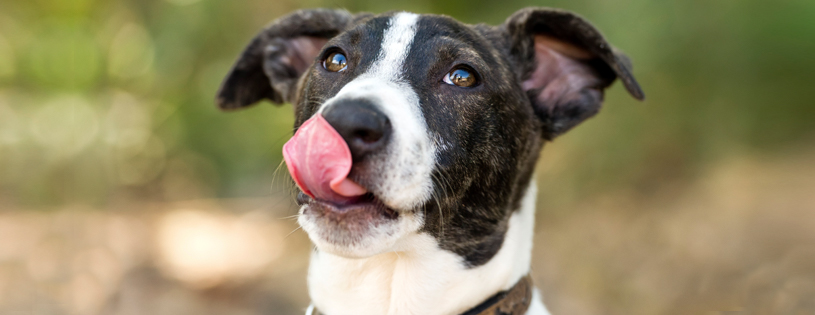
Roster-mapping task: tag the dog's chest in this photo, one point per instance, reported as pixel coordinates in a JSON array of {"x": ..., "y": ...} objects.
[
  {"x": 419, "y": 277},
  {"x": 517, "y": 300}
]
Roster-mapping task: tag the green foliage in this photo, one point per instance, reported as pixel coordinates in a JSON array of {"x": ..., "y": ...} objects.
[{"x": 108, "y": 100}]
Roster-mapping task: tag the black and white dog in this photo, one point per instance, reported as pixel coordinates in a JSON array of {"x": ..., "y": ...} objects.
[{"x": 431, "y": 208}]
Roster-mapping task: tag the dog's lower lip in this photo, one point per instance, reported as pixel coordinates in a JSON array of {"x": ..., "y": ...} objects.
[
  {"x": 302, "y": 199},
  {"x": 365, "y": 201}
]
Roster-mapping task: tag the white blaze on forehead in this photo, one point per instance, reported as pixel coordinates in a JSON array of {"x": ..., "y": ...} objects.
[{"x": 396, "y": 42}]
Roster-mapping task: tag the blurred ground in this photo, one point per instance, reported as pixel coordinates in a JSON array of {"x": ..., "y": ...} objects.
[
  {"x": 197, "y": 257},
  {"x": 738, "y": 241},
  {"x": 741, "y": 240}
]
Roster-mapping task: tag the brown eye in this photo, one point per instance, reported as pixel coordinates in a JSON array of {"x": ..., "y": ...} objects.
[
  {"x": 460, "y": 77},
  {"x": 335, "y": 62}
]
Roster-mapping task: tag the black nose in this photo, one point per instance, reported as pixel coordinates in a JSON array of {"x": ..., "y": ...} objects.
[{"x": 364, "y": 127}]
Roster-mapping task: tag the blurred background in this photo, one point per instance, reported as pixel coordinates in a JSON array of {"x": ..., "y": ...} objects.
[{"x": 124, "y": 191}]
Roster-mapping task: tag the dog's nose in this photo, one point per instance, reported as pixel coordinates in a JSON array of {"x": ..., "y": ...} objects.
[{"x": 364, "y": 127}]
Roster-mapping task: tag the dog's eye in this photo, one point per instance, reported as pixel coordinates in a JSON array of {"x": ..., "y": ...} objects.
[
  {"x": 335, "y": 62},
  {"x": 461, "y": 77}
]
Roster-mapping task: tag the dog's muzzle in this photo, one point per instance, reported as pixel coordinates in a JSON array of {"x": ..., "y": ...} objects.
[{"x": 322, "y": 152}]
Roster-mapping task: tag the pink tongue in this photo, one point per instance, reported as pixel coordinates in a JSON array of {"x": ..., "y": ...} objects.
[{"x": 319, "y": 161}]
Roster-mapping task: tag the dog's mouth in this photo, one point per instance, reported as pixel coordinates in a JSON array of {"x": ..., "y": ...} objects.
[
  {"x": 343, "y": 227},
  {"x": 361, "y": 227},
  {"x": 366, "y": 208},
  {"x": 340, "y": 214}
]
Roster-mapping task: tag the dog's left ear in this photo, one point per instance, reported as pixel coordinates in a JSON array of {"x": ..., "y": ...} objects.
[
  {"x": 565, "y": 64},
  {"x": 274, "y": 60}
]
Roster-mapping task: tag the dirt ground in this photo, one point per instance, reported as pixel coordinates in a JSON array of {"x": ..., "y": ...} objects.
[{"x": 739, "y": 240}]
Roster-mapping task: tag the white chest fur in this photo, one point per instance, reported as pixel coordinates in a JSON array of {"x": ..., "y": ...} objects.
[{"x": 420, "y": 278}]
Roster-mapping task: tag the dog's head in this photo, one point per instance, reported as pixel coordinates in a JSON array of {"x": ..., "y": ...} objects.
[{"x": 444, "y": 120}]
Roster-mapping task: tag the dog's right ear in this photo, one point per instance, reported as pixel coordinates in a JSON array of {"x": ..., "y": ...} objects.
[{"x": 274, "y": 60}]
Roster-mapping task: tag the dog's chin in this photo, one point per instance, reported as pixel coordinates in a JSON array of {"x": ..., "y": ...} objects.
[{"x": 359, "y": 229}]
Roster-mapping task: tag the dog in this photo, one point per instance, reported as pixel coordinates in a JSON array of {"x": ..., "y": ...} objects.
[{"x": 415, "y": 146}]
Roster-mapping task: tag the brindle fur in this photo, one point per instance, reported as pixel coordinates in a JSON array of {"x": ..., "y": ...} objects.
[{"x": 489, "y": 137}]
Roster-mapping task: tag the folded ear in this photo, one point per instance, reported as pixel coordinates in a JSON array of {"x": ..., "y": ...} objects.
[
  {"x": 565, "y": 65},
  {"x": 274, "y": 60}
]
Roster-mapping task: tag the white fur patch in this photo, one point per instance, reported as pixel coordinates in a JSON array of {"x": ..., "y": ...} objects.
[
  {"x": 377, "y": 240},
  {"x": 396, "y": 42},
  {"x": 418, "y": 277},
  {"x": 405, "y": 174}
]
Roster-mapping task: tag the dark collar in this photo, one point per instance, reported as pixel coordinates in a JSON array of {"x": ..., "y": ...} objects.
[{"x": 514, "y": 301}]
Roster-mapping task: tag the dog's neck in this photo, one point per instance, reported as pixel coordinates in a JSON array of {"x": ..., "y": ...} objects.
[{"x": 422, "y": 278}]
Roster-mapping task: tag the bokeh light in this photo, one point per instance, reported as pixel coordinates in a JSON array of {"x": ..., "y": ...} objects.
[
  {"x": 131, "y": 52},
  {"x": 65, "y": 126},
  {"x": 205, "y": 249}
]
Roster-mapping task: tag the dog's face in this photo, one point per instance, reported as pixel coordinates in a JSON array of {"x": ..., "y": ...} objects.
[{"x": 444, "y": 120}]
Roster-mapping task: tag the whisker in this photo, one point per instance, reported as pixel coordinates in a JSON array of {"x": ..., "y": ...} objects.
[
  {"x": 289, "y": 217},
  {"x": 438, "y": 200},
  {"x": 276, "y": 172},
  {"x": 292, "y": 232}
]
